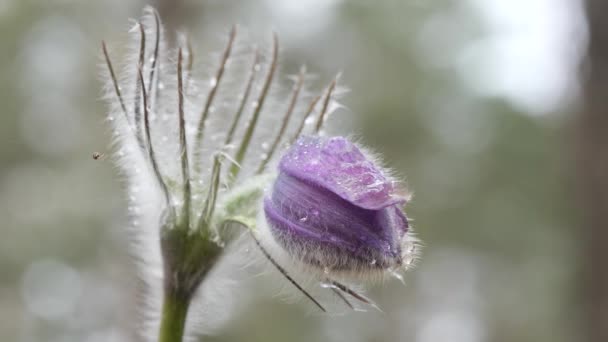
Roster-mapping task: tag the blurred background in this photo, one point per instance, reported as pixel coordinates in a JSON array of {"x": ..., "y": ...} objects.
[{"x": 496, "y": 112}]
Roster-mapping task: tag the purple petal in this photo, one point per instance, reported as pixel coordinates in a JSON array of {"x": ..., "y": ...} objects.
[
  {"x": 339, "y": 166},
  {"x": 323, "y": 210}
]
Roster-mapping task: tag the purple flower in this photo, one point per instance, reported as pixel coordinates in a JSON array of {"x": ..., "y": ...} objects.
[{"x": 332, "y": 207}]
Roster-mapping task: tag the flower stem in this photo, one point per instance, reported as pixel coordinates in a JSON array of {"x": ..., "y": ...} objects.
[{"x": 173, "y": 319}]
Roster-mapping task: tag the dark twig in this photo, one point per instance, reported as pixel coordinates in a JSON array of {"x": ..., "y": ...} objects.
[
  {"x": 189, "y": 63},
  {"x": 244, "y": 99},
  {"x": 214, "y": 186},
  {"x": 311, "y": 108},
  {"x": 208, "y": 102},
  {"x": 155, "y": 52},
  {"x": 321, "y": 118},
  {"x": 149, "y": 145},
  {"x": 240, "y": 154},
  {"x": 354, "y": 294},
  {"x": 115, "y": 82},
  {"x": 292, "y": 104},
  {"x": 284, "y": 272},
  {"x": 341, "y": 296},
  {"x": 137, "y": 99},
  {"x": 183, "y": 144}
]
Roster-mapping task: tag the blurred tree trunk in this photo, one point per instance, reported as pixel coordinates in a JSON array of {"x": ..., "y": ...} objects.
[{"x": 593, "y": 173}]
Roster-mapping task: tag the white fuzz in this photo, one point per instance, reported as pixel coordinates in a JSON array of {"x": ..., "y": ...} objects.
[
  {"x": 153, "y": 168},
  {"x": 316, "y": 281}
]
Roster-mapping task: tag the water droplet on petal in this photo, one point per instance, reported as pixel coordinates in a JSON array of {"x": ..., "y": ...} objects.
[{"x": 213, "y": 82}]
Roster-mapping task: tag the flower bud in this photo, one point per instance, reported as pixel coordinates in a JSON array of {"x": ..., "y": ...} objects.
[{"x": 333, "y": 208}]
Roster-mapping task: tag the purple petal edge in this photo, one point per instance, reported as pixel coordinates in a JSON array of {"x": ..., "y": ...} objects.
[{"x": 339, "y": 166}]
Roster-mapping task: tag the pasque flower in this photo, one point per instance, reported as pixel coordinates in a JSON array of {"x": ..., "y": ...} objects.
[
  {"x": 334, "y": 209},
  {"x": 199, "y": 152}
]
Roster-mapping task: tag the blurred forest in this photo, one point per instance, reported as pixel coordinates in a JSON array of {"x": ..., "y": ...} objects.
[{"x": 495, "y": 111}]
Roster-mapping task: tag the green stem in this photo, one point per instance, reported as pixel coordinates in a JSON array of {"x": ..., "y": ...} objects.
[{"x": 173, "y": 319}]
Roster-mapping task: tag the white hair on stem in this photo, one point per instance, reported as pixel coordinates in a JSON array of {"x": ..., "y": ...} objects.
[{"x": 174, "y": 125}]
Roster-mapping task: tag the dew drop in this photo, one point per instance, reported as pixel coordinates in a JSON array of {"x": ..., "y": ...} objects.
[
  {"x": 327, "y": 285},
  {"x": 161, "y": 85},
  {"x": 110, "y": 118},
  {"x": 411, "y": 249},
  {"x": 304, "y": 219},
  {"x": 326, "y": 270},
  {"x": 213, "y": 82},
  {"x": 257, "y": 67},
  {"x": 373, "y": 262},
  {"x": 397, "y": 276},
  {"x": 408, "y": 262},
  {"x": 265, "y": 146},
  {"x": 134, "y": 28},
  {"x": 254, "y": 104}
]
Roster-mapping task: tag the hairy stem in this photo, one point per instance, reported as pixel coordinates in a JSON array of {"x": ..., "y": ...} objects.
[{"x": 173, "y": 317}]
